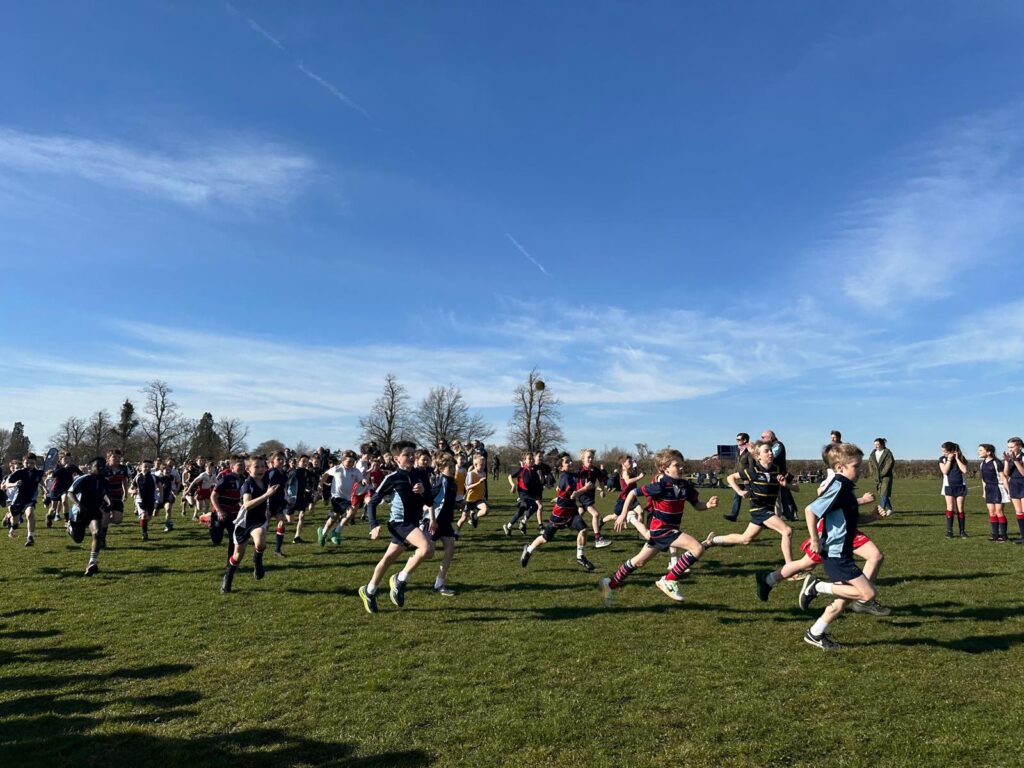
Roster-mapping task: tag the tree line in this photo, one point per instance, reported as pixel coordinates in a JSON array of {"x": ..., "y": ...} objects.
[{"x": 156, "y": 427}]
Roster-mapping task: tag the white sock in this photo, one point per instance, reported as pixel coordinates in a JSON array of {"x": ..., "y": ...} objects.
[
  {"x": 371, "y": 590},
  {"x": 672, "y": 562},
  {"x": 717, "y": 540},
  {"x": 819, "y": 627},
  {"x": 823, "y": 587},
  {"x": 579, "y": 551},
  {"x": 438, "y": 582},
  {"x": 530, "y": 548},
  {"x": 403, "y": 576}
]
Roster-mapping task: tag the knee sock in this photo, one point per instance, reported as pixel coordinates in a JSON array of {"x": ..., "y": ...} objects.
[
  {"x": 994, "y": 522},
  {"x": 279, "y": 536},
  {"x": 961, "y": 522},
  {"x": 1020, "y": 525},
  {"x": 622, "y": 574},
  {"x": 682, "y": 566},
  {"x": 949, "y": 521},
  {"x": 1001, "y": 525},
  {"x": 774, "y": 578},
  {"x": 144, "y": 525}
]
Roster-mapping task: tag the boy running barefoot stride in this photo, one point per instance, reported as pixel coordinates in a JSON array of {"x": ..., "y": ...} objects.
[
  {"x": 669, "y": 496},
  {"x": 838, "y": 508}
]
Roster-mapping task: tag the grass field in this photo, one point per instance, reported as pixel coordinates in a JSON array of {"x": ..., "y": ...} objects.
[{"x": 147, "y": 664}]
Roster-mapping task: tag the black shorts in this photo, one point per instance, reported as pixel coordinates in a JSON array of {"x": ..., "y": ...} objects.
[
  {"x": 244, "y": 527},
  {"x": 80, "y": 524},
  {"x": 841, "y": 568},
  {"x": 301, "y": 504},
  {"x": 400, "y": 532},
  {"x": 956, "y": 491},
  {"x": 586, "y": 501},
  {"x": 21, "y": 509},
  {"x": 662, "y": 538},
  {"x": 340, "y": 505},
  {"x": 992, "y": 494},
  {"x": 444, "y": 529},
  {"x": 116, "y": 505},
  {"x": 473, "y": 506},
  {"x": 325, "y": 493},
  {"x": 1016, "y": 487},
  {"x": 141, "y": 509},
  {"x": 558, "y": 522},
  {"x": 761, "y": 516}
]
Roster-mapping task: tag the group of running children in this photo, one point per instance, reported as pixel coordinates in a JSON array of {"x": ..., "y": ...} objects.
[{"x": 433, "y": 494}]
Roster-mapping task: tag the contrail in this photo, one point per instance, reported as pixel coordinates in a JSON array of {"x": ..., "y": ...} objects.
[
  {"x": 331, "y": 89},
  {"x": 523, "y": 251},
  {"x": 325, "y": 84}
]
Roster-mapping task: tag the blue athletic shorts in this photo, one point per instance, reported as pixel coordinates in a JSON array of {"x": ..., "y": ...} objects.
[
  {"x": 662, "y": 538},
  {"x": 841, "y": 568}
]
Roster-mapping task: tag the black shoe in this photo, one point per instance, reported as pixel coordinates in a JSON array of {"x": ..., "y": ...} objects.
[
  {"x": 473, "y": 519},
  {"x": 587, "y": 565},
  {"x": 731, "y": 518},
  {"x": 298, "y": 540},
  {"x": 30, "y": 541},
  {"x": 763, "y": 589},
  {"x": 823, "y": 641},
  {"x": 225, "y": 584},
  {"x": 807, "y": 593},
  {"x": 49, "y": 521},
  {"x": 522, "y": 528},
  {"x": 258, "y": 569},
  {"x": 279, "y": 553},
  {"x": 524, "y": 558},
  {"x": 145, "y": 535},
  {"x": 963, "y": 534},
  {"x": 949, "y": 534},
  {"x": 92, "y": 569}
]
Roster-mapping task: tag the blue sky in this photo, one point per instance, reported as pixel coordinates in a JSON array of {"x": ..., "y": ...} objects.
[{"x": 693, "y": 218}]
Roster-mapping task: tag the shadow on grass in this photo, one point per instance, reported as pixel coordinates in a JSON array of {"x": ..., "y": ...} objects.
[
  {"x": 973, "y": 644},
  {"x": 24, "y": 612},
  {"x": 63, "y": 725},
  {"x": 890, "y": 580}
]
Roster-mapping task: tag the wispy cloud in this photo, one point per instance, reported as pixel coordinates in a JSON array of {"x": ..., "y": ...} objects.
[
  {"x": 323, "y": 82},
  {"x": 958, "y": 194},
  {"x": 523, "y": 251},
  {"x": 238, "y": 173}
]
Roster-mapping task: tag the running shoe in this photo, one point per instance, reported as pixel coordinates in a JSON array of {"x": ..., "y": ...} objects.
[
  {"x": 807, "y": 593},
  {"x": 763, "y": 588},
  {"x": 824, "y": 642},
  {"x": 586, "y": 564},
  {"x": 873, "y": 607},
  {"x": 524, "y": 558},
  {"x": 601, "y": 542},
  {"x": 670, "y": 588},
  {"x": 369, "y": 601},
  {"x": 397, "y": 591}
]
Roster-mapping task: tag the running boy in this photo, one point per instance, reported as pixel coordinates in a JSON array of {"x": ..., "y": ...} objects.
[
  {"x": 476, "y": 501},
  {"x": 564, "y": 514},
  {"x": 445, "y": 498},
  {"x": 26, "y": 482},
  {"x": 87, "y": 499},
  {"x": 529, "y": 484},
  {"x": 346, "y": 483},
  {"x": 839, "y": 509},
  {"x": 252, "y": 521},
  {"x": 669, "y": 495},
  {"x": 763, "y": 482},
  {"x": 407, "y": 510},
  {"x": 144, "y": 487}
]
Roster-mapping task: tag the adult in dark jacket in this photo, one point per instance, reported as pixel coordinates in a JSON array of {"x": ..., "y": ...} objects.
[
  {"x": 882, "y": 465},
  {"x": 743, "y": 459}
]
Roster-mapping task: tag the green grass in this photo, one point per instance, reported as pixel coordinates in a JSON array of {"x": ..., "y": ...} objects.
[{"x": 147, "y": 664}]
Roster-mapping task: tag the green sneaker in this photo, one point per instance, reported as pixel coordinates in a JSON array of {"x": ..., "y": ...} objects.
[{"x": 321, "y": 537}]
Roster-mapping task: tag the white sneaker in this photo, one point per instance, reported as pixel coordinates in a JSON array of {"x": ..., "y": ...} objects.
[
  {"x": 670, "y": 588},
  {"x": 602, "y": 542}
]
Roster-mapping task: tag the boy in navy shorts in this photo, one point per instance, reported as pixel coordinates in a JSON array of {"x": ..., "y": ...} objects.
[
  {"x": 839, "y": 509},
  {"x": 252, "y": 521},
  {"x": 564, "y": 514},
  {"x": 87, "y": 499},
  {"x": 763, "y": 482},
  {"x": 407, "y": 510},
  {"x": 144, "y": 486},
  {"x": 26, "y": 482},
  {"x": 669, "y": 495},
  {"x": 445, "y": 495},
  {"x": 226, "y": 501},
  {"x": 529, "y": 484}
]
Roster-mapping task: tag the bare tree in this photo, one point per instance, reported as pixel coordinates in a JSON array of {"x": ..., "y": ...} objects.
[
  {"x": 268, "y": 447},
  {"x": 444, "y": 414},
  {"x": 70, "y": 436},
  {"x": 233, "y": 434},
  {"x": 389, "y": 419},
  {"x": 536, "y": 417},
  {"x": 161, "y": 421},
  {"x": 98, "y": 432},
  {"x": 303, "y": 448}
]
